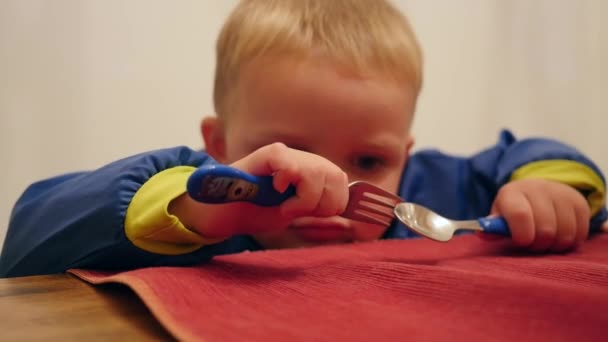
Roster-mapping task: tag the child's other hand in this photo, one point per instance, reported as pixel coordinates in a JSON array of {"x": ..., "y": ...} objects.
[
  {"x": 543, "y": 215},
  {"x": 321, "y": 186}
]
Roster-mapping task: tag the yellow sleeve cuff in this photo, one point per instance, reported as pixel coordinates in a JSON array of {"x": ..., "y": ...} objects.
[
  {"x": 148, "y": 224},
  {"x": 577, "y": 175}
]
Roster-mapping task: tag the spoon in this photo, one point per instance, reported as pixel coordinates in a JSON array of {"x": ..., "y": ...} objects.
[{"x": 436, "y": 227}]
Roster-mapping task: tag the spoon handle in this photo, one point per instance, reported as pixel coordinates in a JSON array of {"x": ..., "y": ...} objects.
[
  {"x": 225, "y": 184},
  {"x": 494, "y": 225}
]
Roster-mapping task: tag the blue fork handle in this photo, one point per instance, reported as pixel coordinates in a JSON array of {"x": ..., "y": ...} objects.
[
  {"x": 494, "y": 225},
  {"x": 216, "y": 184}
]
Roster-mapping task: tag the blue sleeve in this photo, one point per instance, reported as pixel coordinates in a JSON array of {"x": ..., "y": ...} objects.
[{"x": 77, "y": 219}]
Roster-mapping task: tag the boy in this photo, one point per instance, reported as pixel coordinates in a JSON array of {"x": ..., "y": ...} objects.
[{"x": 317, "y": 93}]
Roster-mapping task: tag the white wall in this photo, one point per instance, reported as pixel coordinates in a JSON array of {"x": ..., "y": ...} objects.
[
  {"x": 536, "y": 66},
  {"x": 85, "y": 82}
]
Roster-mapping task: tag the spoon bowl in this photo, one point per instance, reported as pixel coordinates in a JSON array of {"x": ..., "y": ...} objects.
[{"x": 428, "y": 223}]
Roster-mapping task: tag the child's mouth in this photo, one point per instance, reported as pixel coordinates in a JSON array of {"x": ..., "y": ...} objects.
[{"x": 322, "y": 230}]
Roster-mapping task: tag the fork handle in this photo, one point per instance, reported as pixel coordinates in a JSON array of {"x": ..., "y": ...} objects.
[
  {"x": 217, "y": 184},
  {"x": 494, "y": 225}
]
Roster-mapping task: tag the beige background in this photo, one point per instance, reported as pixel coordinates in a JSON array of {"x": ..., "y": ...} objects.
[{"x": 85, "y": 82}]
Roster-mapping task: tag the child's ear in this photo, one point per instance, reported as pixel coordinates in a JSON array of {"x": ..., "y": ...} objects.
[
  {"x": 409, "y": 144},
  {"x": 212, "y": 130}
]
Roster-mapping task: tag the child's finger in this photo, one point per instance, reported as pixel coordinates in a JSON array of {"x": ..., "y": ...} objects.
[
  {"x": 285, "y": 177},
  {"x": 335, "y": 195},
  {"x": 582, "y": 213},
  {"x": 309, "y": 190},
  {"x": 517, "y": 211},
  {"x": 266, "y": 160},
  {"x": 545, "y": 221},
  {"x": 566, "y": 224}
]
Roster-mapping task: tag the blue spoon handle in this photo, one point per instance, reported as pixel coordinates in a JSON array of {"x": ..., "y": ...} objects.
[
  {"x": 494, "y": 225},
  {"x": 216, "y": 184}
]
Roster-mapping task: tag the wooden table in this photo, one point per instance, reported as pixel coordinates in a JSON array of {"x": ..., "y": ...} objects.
[{"x": 62, "y": 307}]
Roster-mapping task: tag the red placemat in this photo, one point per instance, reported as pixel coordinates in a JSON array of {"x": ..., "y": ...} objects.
[{"x": 467, "y": 289}]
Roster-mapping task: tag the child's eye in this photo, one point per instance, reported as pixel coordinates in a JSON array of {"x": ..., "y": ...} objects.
[{"x": 368, "y": 163}]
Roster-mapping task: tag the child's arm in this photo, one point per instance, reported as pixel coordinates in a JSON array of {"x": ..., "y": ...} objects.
[
  {"x": 78, "y": 220},
  {"x": 550, "y": 194},
  {"x": 135, "y": 213}
]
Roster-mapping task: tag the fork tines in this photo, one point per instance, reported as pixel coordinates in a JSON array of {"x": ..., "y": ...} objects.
[{"x": 371, "y": 204}]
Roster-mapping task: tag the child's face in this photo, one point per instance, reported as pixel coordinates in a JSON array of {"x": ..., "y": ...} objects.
[{"x": 361, "y": 124}]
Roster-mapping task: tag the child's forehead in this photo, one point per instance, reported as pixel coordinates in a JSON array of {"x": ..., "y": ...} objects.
[
  {"x": 318, "y": 81},
  {"x": 316, "y": 63},
  {"x": 313, "y": 94}
]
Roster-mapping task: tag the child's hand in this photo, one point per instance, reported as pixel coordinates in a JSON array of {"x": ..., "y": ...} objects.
[
  {"x": 321, "y": 190},
  {"x": 543, "y": 215},
  {"x": 321, "y": 186}
]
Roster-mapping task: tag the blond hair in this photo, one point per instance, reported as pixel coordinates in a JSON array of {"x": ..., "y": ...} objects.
[{"x": 361, "y": 34}]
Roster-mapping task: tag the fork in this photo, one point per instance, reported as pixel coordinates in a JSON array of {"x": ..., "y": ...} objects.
[{"x": 371, "y": 204}]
